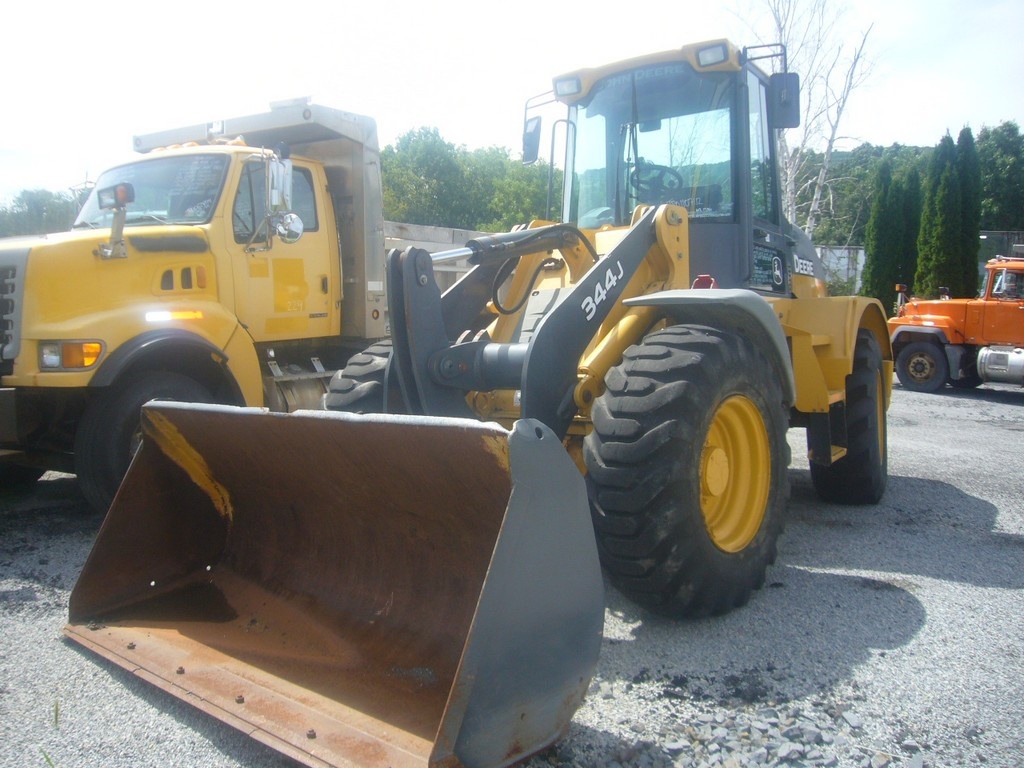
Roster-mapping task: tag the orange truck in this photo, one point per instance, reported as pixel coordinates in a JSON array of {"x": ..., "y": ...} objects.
[{"x": 963, "y": 342}]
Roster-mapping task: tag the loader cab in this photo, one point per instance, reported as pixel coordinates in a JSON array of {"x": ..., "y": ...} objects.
[{"x": 692, "y": 127}]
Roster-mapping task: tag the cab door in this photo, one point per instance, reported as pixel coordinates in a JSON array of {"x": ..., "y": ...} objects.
[
  {"x": 1004, "y": 313},
  {"x": 283, "y": 290},
  {"x": 772, "y": 254}
]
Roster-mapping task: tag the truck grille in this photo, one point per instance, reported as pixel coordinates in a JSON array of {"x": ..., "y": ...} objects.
[{"x": 12, "y": 287}]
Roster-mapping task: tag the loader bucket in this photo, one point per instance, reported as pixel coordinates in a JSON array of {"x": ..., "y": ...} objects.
[{"x": 352, "y": 590}]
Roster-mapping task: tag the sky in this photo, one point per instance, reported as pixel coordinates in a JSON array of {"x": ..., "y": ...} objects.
[{"x": 83, "y": 78}]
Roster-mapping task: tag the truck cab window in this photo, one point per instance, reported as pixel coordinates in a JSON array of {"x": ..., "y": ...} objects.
[
  {"x": 1006, "y": 285},
  {"x": 168, "y": 190},
  {"x": 250, "y": 201}
]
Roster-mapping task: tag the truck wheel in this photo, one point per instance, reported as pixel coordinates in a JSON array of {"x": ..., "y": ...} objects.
[
  {"x": 687, "y": 469},
  {"x": 921, "y": 367},
  {"x": 359, "y": 387},
  {"x": 110, "y": 431},
  {"x": 861, "y": 475}
]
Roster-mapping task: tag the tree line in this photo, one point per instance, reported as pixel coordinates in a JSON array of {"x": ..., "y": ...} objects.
[{"x": 917, "y": 211}]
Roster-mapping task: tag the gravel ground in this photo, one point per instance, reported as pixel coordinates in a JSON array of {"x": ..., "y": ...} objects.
[{"x": 886, "y": 636}]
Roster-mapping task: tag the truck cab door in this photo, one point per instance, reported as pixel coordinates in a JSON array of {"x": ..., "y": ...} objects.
[
  {"x": 1004, "y": 314},
  {"x": 284, "y": 290}
]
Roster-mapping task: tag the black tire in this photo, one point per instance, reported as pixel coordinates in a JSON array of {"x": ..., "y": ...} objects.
[
  {"x": 109, "y": 433},
  {"x": 967, "y": 382},
  {"x": 687, "y": 470},
  {"x": 861, "y": 475},
  {"x": 970, "y": 380},
  {"x": 921, "y": 367},
  {"x": 361, "y": 385}
]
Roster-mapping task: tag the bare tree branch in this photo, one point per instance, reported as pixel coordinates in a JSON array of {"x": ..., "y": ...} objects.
[{"x": 829, "y": 73}]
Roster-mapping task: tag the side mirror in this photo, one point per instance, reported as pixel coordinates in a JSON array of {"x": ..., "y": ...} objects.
[
  {"x": 290, "y": 228},
  {"x": 115, "y": 198},
  {"x": 278, "y": 218},
  {"x": 279, "y": 184},
  {"x": 531, "y": 140},
  {"x": 784, "y": 100}
]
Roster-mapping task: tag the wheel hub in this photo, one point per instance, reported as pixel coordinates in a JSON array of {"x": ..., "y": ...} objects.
[
  {"x": 716, "y": 472},
  {"x": 921, "y": 368},
  {"x": 735, "y": 469}
]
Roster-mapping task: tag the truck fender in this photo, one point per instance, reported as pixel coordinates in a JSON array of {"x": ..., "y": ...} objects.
[
  {"x": 905, "y": 334},
  {"x": 734, "y": 309},
  {"x": 169, "y": 345}
]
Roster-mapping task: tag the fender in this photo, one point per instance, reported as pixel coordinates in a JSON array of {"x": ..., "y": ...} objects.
[
  {"x": 904, "y": 334},
  {"x": 741, "y": 311},
  {"x": 182, "y": 345}
]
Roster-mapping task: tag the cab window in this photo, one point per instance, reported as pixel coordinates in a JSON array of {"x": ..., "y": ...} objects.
[
  {"x": 762, "y": 179},
  {"x": 250, "y": 201}
]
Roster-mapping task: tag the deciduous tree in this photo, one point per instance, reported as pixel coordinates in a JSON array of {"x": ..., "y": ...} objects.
[
  {"x": 830, "y": 69},
  {"x": 1001, "y": 161}
]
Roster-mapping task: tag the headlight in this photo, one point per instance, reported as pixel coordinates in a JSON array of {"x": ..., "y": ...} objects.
[
  {"x": 69, "y": 355},
  {"x": 715, "y": 54},
  {"x": 568, "y": 86}
]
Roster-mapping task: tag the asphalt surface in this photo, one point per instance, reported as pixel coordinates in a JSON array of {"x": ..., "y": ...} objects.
[{"x": 885, "y": 635}]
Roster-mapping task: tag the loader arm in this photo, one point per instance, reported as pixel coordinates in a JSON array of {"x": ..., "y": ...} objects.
[{"x": 435, "y": 373}]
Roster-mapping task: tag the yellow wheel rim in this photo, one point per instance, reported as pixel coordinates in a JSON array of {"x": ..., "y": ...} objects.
[{"x": 735, "y": 474}]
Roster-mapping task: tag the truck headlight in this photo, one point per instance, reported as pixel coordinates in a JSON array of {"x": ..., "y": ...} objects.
[{"x": 68, "y": 355}]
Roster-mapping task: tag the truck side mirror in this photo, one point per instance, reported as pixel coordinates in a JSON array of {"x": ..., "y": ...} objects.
[
  {"x": 290, "y": 228},
  {"x": 784, "y": 100},
  {"x": 279, "y": 184},
  {"x": 115, "y": 198},
  {"x": 531, "y": 140},
  {"x": 279, "y": 219}
]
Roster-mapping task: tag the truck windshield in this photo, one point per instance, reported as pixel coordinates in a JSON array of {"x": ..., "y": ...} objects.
[
  {"x": 168, "y": 190},
  {"x": 657, "y": 134}
]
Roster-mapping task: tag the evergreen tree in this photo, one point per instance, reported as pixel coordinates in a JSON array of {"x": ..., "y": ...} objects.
[
  {"x": 881, "y": 238},
  {"x": 969, "y": 171},
  {"x": 891, "y": 232},
  {"x": 939, "y": 241},
  {"x": 910, "y": 226}
]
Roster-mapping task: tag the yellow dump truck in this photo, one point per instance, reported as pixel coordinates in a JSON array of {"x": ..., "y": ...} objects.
[
  {"x": 199, "y": 292},
  {"x": 409, "y": 575}
]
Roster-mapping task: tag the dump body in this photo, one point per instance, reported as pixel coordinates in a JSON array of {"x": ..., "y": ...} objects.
[{"x": 453, "y": 608}]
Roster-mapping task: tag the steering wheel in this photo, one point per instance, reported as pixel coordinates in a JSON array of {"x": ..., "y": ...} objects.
[{"x": 656, "y": 182}]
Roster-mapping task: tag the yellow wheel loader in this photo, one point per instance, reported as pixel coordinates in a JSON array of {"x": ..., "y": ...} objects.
[{"x": 412, "y": 575}]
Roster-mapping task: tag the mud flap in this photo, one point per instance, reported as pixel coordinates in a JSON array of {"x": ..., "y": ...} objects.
[{"x": 352, "y": 590}]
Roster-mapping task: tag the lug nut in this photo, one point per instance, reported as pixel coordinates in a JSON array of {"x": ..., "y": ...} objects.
[
  {"x": 310, "y": 734},
  {"x": 239, "y": 699},
  {"x": 180, "y": 670}
]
